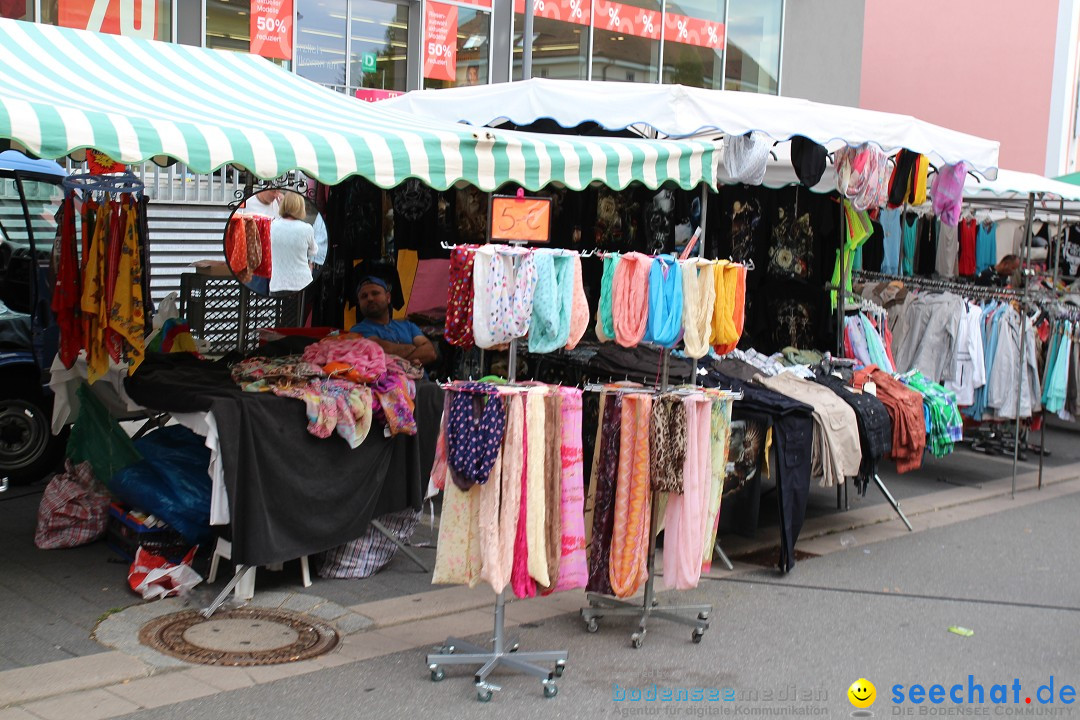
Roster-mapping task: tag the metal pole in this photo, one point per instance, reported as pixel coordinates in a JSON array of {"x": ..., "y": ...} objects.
[
  {"x": 840, "y": 292},
  {"x": 527, "y": 41},
  {"x": 1026, "y": 254},
  {"x": 1060, "y": 244}
]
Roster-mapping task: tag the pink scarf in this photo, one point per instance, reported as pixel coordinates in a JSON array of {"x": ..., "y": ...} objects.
[
  {"x": 573, "y": 573},
  {"x": 523, "y": 585},
  {"x": 630, "y": 298},
  {"x": 579, "y": 313},
  {"x": 366, "y": 358},
  {"x": 687, "y": 517}
]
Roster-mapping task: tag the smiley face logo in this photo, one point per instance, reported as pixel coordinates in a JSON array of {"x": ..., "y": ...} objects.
[{"x": 862, "y": 693}]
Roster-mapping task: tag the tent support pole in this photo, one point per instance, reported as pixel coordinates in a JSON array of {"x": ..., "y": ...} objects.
[{"x": 1028, "y": 216}]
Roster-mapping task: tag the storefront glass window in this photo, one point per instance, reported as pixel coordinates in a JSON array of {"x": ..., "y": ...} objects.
[
  {"x": 150, "y": 19},
  {"x": 379, "y": 31},
  {"x": 694, "y": 43},
  {"x": 228, "y": 27},
  {"x": 753, "y": 62},
  {"x": 560, "y": 39},
  {"x": 17, "y": 9},
  {"x": 469, "y": 65},
  {"x": 320, "y": 41},
  {"x": 626, "y": 40}
]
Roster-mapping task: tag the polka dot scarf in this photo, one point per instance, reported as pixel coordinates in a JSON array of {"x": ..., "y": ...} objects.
[
  {"x": 459, "y": 298},
  {"x": 472, "y": 445}
]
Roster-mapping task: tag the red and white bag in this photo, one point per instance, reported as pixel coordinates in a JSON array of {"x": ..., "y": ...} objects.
[
  {"x": 74, "y": 509},
  {"x": 152, "y": 576}
]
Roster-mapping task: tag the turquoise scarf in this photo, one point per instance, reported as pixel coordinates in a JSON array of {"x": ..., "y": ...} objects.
[
  {"x": 606, "y": 322},
  {"x": 553, "y": 301},
  {"x": 665, "y": 302}
]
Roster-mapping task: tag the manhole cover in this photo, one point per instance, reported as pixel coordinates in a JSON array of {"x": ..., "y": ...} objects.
[{"x": 248, "y": 636}]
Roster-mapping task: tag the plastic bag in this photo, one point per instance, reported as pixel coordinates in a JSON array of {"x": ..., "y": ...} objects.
[
  {"x": 74, "y": 509},
  {"x": 95, "y": 437},
  {"x": 171, "y": 481},
  {"x": 152, "y": 576}
]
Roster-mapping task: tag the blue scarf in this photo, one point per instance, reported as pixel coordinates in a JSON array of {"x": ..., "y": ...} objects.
[
  {"x": 665, "y": 302},
  {"x": 471, "y": 445},
  {"x": 553, "y": 301}
]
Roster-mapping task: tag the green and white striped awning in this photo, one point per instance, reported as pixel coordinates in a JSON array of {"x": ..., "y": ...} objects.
[{"x": 62, "y": 90}]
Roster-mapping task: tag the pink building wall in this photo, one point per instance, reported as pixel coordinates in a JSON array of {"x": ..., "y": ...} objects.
[{"x": 979, "y": 66}]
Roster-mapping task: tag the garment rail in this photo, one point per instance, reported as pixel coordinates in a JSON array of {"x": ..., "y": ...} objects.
[
  {"x": 649, "y": 606},
  {"x": 502, "y": 653}
]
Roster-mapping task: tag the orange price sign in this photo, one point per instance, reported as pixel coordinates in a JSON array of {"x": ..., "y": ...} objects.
[{"x": 521, "y": 219}]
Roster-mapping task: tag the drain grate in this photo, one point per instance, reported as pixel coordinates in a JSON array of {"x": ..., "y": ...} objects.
[{"x": 246, "y": 636}]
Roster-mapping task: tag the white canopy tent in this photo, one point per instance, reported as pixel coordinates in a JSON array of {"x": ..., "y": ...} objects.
[{"x": 677, "y": 111}]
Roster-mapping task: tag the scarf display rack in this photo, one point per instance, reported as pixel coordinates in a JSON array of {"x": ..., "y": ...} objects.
[
  {"x": 601, "y": 605},
  {"x": 503, "y": 653}
]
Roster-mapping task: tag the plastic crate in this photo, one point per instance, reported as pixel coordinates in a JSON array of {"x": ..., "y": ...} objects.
[
  {"x": 125, "y": 533},
  {"x": 213, "y": 307}
]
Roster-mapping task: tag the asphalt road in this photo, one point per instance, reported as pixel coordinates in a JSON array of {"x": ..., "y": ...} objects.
[{"x": 879, "y": 611}]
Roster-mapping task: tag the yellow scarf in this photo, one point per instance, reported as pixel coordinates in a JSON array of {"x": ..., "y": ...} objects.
[
  {"x": 95, "y": 313},
  {"x": 724, "y": 331},
  {"x": 126, "y": 313}
]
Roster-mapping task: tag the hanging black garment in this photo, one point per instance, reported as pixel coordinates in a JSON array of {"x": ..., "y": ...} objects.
[
  {"x": 906, "y": 163},
  {"x": 793, "y": 432}
]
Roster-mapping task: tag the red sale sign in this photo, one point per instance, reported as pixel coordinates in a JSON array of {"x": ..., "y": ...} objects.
[
  {"x": 693, "y": 31},
  {"x": 133, "y": 18},
  {"x": 271, "y": 28},
  {"x": 628, "y": 20},
  {"x": 440, "y": 41},
  {"x": 376, "y": 94},
  {"x": 575, "y": 11}
]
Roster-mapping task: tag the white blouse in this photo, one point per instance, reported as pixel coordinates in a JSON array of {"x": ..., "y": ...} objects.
[{"x": 292, "y": 246}]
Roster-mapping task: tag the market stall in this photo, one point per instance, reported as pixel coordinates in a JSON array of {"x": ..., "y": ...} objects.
[{"x": 171, "y": 102}]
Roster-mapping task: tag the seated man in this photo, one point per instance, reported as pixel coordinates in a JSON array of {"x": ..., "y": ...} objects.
[{"x": 397, "y": 337}]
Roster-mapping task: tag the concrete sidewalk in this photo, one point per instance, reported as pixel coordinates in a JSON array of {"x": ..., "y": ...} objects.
[{"x": 120, "y": 676}]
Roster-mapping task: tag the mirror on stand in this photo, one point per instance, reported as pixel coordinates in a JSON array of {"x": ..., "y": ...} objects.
[{"x": 275, "y": 242}]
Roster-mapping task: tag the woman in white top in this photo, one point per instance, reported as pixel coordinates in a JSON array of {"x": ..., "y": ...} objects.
[{"x": 292, "y": 246}]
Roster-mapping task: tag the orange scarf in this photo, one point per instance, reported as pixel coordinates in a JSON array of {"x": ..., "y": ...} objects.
[
  {"x": 738, "y": 303},
  {"x": 633, "y": 499}
]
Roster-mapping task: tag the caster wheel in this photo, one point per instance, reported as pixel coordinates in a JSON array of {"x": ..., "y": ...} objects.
[
  {"x": 697, "y": 635},
  {"x": 514, "y": 647},
  {"x": 446, "y": 649},
  {"x": 591, "y": 626},
  {"x": 560, "y": 668},
  {"x": 550, "y": 690},
  {"x": 703, "y": 616},
  {"x": 637, "y": 641},
  {"x": 483, "y": 696},
  {"x": 437, "y": 674}
]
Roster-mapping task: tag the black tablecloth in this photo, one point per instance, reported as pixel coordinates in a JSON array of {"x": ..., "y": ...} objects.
[{"x": 291, "y": 493}]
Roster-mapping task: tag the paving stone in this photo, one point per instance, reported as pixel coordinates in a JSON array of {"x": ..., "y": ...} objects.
[
  {"x": 271, "y": 598},
  {"x": 164, "y": 689},
  {"x": 16, "y": 713},
  {"x": 87, "y": 705},
  {"x": 66, "y": 676},
  {"x": 352, "y": 623},
  {"x": 328, "y": 611},
  {"x": 301, "y": 603},
  {"x": 223, "y": 678}
]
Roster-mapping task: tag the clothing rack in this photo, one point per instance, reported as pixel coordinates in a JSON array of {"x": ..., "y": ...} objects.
[
  {"x": 603, "y": 605},
  {"x": 966, "y": 289},
  {"x": 502, "y": 653},
  {"x": 116, "y": 184}
]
